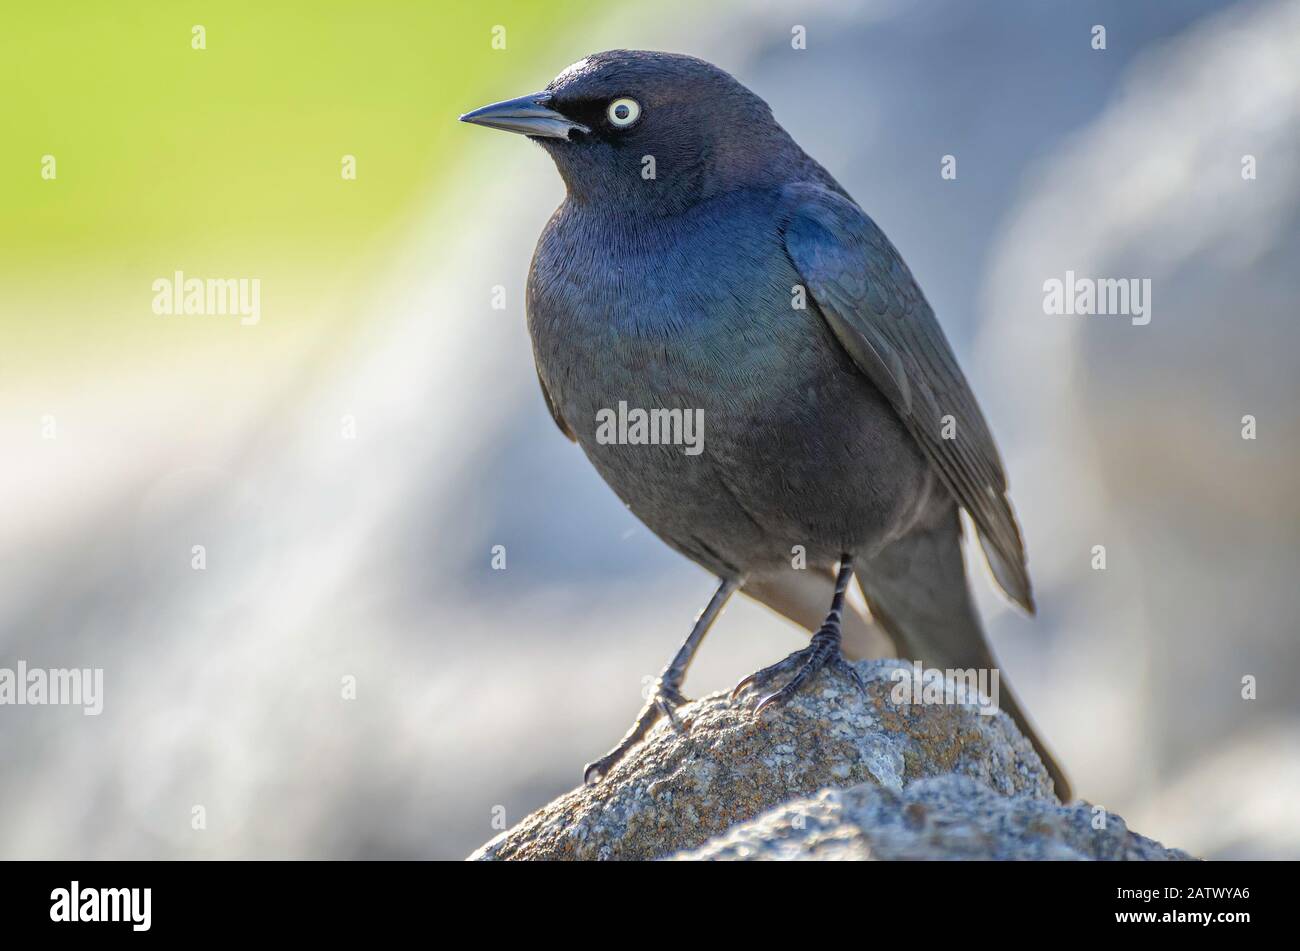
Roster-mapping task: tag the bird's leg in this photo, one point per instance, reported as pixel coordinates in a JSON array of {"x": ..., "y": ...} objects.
[
  {"x": 825, "y": 648},
  {"x": 667, "y": 694}
]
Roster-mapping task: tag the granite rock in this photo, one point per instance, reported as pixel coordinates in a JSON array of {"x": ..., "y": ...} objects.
[
  {"x": 941, "y": 817},
  {"x": 676, "y": 792}
]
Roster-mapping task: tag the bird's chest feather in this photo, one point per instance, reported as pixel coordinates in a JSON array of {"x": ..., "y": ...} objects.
[{"x": 699, "y": 313}]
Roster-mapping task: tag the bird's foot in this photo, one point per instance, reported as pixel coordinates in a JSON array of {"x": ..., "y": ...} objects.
[
  {"x": 823, "y": 650},
  {"x": 663, "y": 702}
]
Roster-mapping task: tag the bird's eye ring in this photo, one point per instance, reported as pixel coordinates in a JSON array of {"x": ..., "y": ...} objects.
[{"x": 622, "y": 112}]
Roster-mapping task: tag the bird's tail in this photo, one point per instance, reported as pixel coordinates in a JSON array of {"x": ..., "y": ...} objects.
[{"x": 916, "y": 589}]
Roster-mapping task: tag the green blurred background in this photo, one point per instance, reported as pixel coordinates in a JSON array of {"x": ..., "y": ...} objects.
[{"x": 226, "y": 161}]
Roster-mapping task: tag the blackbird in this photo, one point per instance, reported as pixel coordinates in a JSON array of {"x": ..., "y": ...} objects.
[{"x": 704, "y": 270}]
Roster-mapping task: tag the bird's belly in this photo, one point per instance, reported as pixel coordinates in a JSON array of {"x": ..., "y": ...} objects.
[{"x": 744, "y": 463}]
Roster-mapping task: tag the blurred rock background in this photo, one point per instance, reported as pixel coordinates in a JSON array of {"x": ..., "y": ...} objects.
[{"x": 481, "y": 693}]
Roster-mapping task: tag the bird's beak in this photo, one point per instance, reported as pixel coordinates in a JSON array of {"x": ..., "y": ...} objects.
[{"x": 527, "y": 115}]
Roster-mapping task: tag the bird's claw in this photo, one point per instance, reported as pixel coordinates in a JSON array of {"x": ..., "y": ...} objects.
[
  {"x": 593, "y": 773},
  {"x": 759, "y": 677},
  {"x": 824, "y": 650},
  {"x": 856, "y": 677},
  {"x": 662, "y": 703},
  {"x": 667, "y": 699}
]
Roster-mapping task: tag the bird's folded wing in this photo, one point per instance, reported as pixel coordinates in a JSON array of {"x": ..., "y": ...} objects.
[
  {"x": 555, "y": 410},
  {"x": 873, "y": 305}
]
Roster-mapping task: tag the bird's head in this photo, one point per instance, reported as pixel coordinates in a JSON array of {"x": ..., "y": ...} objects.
[{"x": 647, "y": 133}]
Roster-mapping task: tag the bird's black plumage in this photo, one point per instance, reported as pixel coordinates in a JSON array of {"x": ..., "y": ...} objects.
[{"x": 702, "y": 261}]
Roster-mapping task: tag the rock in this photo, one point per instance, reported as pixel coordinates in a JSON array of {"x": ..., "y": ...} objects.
[
  {"x": 676, "y": 792},
  {"x": 943, "y": 817},
  {"x": 837, "y": 773}
]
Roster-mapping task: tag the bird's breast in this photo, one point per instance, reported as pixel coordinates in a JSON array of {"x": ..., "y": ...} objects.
[{"x": 673, "y": 307}]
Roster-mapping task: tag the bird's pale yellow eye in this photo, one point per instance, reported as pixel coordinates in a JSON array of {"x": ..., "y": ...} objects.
[{"x": 623, "y": 112}]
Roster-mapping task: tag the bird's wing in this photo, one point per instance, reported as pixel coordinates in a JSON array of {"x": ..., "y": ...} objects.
[
  {"x": 555, "y": 410},
  {"x": 874, "y": 307}
]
